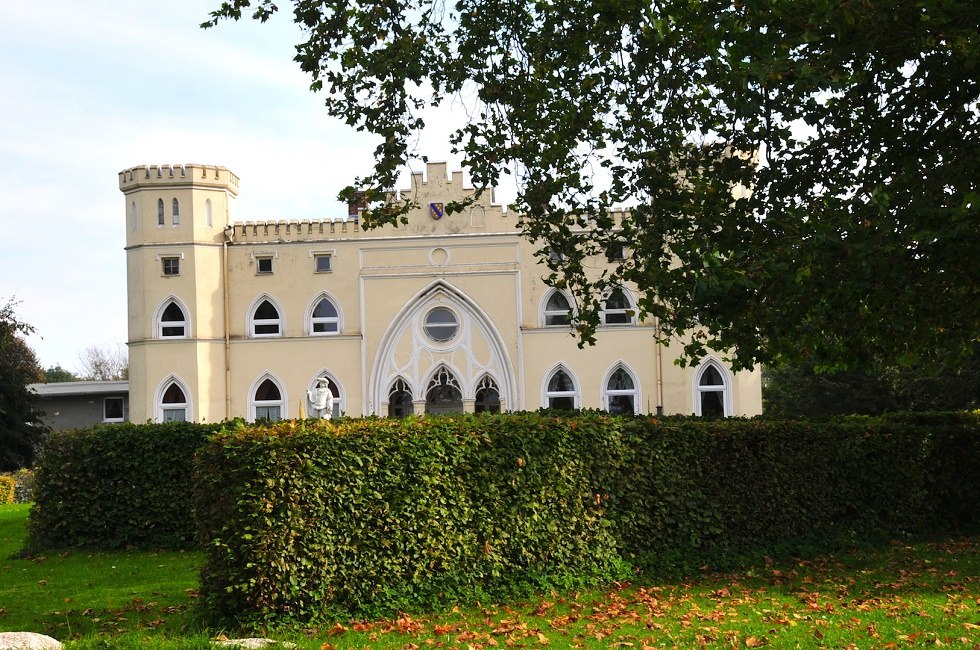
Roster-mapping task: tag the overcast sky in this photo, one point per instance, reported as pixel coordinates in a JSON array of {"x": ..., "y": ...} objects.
[{"x": 88, "y": 89}]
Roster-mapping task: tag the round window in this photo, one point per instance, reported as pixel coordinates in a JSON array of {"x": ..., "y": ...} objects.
[{"x": 441, "y": 324}]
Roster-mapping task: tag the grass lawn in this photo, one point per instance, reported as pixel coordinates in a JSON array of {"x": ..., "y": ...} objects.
[{"x": 899, "y": 596}]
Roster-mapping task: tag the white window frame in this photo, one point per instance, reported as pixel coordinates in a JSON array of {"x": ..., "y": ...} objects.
[
  {"x": 255, "y": 256},
  {"x": 158, "y": 322},
  {"x": 163, "y": 265},
  {"x": 608, "y": 393},
  {"x": 259, "y": 259},
  {"x": 575, "y": 393},
  {"x": 614, "y": 252},
  {"x": 253, "y": 321},
  {"x": 546, "y": 312},
  {"x": 312, "y": 321},
  {"x": 160, "y": 409},
  {"x": 122, "y": 409},
  {"x": 254, "y": 405},
  {"x": 175, "y": 212},
  {"x": 629, "y": 310},
  {"x": 328, "y": 254},
  {"x": 725, "y": 389}
]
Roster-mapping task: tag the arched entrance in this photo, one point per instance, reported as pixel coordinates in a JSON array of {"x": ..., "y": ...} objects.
[{"x": 441, "y": 345}]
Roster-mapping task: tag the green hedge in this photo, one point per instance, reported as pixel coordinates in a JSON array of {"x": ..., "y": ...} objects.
[
  {"x": 697, "y": 490},
  {"x": 381, "y": 515},
  {"x": 300, "y": 520},
  {"x": 115, "y": 486}
]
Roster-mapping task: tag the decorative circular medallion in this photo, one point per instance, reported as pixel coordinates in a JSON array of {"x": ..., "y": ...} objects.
[{"x": 438, "y": 257}]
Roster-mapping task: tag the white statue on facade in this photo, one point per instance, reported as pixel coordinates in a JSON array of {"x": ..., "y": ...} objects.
[{"x": 321, "y": 399}]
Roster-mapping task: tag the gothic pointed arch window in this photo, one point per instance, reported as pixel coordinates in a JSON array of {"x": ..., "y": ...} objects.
[
  {"x": 173, "y": 321},
  {"x": 712, "y": 390},
  {"x": 487, "y": 396},
  {"x": 560, "y": 391},
  {"x": 324, "y": 318},
  {"x": 208, "y": 213},
  {"x": 132, "y": 216},
  {"x": 620, "y": 394},
  {"x": 400, "y": 399},
  {"x": 267, "y": 401},
  {"x": 617, "y": 308},
  {"x": 174, "y": 405},
  {"x": 265, "y": 319},
  {"x": 557, "y": 310},
  {"x": 160, "y": 218},
  {"x": 175, "y": 212},
  {"x": 443, "y": 394}
]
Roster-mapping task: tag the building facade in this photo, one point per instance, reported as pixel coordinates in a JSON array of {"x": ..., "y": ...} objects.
[
  {"x": 82, "y": 404},
  {"x": 448, "y": 313}
]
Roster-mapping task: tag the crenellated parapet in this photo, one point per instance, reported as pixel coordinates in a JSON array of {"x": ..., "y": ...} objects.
[
  {"x": 286, "y": 231},
  {"x": 167, "y": 176},
  {"x": 438, "y": 183}
]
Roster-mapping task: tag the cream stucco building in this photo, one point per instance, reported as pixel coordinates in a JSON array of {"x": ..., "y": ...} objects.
[{"x": 448, "y": 313}]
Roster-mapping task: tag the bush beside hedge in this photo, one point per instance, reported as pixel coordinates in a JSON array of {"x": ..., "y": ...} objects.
[
  {"x": 115, "y": 486},
  {"x": 24, "y": 485},
  {"x": 368, "y": 516},
  {"x": 7, "y": 485}
]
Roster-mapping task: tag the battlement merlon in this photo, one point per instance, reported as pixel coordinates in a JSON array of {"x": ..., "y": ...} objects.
[
  {"x": 283, "y": 231},
  {"x": 437, "y": 181},
  {"x": 203, "y": 176}
]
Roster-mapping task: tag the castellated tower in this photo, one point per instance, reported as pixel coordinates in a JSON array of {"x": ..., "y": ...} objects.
[{"x": 175, "y": 233}]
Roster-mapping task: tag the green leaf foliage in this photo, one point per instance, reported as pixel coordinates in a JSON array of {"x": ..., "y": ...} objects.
[
  {"x": 381, "y": 515},
  {"x": 803, "y": 391},
  {"x": 7, "y": 485},
  {"x": 20, "y": 420},
  {"x": 302, "y": 520},
  {"x": 854, "y": 124},
  {"x": 115, "y": 486}
]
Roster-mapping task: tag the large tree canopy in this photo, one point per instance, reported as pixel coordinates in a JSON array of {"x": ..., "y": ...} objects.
[
  {"x": 798, "y": 390},
  {"x": 20, "y": 428},
  {"x": 855, "y": 123}
]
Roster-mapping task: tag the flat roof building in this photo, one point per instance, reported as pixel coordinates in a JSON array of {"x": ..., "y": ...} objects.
[{"x": 80, "y": 404}]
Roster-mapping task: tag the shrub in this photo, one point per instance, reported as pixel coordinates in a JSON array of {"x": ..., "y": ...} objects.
[
  {"x": 375, "y": 516},
  {"x": 369, "y": 516},
  {"x": 7, "y": 485},
  {"x": 116, "y": 485},
  {"x": 24, "y": 490},
  {"x": 699, "y": 490}
]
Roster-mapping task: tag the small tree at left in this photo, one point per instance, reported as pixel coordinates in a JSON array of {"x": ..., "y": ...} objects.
[{"x": 20, "y": 424}]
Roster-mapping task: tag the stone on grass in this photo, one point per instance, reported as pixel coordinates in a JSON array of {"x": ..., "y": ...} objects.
[
  {"x": 27, "y": 641},
  {"x": 254, "y": 643}
]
